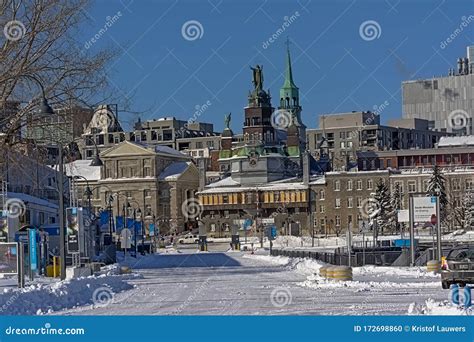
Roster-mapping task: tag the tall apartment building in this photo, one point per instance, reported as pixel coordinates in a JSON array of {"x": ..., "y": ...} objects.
[
  {"x": 446, "y": 101},
  {"x": 342, "y": 136}
]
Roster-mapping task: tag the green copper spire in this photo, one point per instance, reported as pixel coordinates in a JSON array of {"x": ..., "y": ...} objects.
[
  {"x": 289, "y": 73},
  {"x": 289, "y": 93}
]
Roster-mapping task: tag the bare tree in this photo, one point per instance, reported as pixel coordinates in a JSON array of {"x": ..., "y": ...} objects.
[{"x": 40, "y": 39}]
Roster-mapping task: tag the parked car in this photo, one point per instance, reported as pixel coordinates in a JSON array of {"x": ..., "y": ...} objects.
[
  {"x": 458, "y": 267},
  {"x": 189, "y": 238}
]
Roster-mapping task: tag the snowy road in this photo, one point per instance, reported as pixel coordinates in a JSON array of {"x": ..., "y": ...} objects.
[{"x": 242, "y": 284}]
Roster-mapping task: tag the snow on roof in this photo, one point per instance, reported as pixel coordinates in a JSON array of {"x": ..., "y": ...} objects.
[
  {"x": 174, "y": 170},
  {"x": 82, "y": 168},
  {"x": 228, "y": 181},
  {"x": 168, "y": 150},
  {"x": 456, "y": 141},
  {"x": 31, "y": 199}
]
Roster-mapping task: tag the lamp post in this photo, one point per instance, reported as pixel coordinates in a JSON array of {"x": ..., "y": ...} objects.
[
  {"x": 437, "y": 220},
  {"x": 46, "y": 110}
]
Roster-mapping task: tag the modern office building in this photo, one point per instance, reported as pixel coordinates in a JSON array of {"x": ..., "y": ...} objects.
[{"x": 447, "y": 102}]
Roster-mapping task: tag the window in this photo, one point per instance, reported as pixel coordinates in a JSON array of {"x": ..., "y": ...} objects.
[
  {"x": 370, "y": 184},
  {"x": 321, "y": 209},
  {"x": 225, "y": 199},
  {"x": 350, "y": 202},
  {"x": 342, "y": 135},
  {"x": 349, "y": 185},
  {"x": 337, "y": 185},
  {"x": 338, "y": 221},
  {"x": 338, "y": 203},
  {"x": 411, "y": 186},
  {"x": 456, "y": 184},
  {"x": 469, "y": 184},
  {"x": 400, "y": 185},
  {"x": 147, "y": 193},
  {"x": 359, "y": 184},
  {"x": 426, "y": 184},
  {"x": 147, "y": 171},
  {"x": 343, "y": 144},
  {"x": 359, "y": 202},
  {"x": 322, "y": 195},
  {"x": 322, "y": 223}
]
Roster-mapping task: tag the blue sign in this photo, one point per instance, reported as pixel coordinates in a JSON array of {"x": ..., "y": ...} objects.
[
  {"x": 273, "y": 232},
  {"x": 104, "y": 218},
  {"x": 247, "y": 224},
  {"x": 119, "y": 223},
  {"x": 32, "y": 249},
  {"x": 130, "y": 223},
  {"x": 433, "y": 199},
  {"x": 151, "y": 229},
  {"x": 137, "y": 227}
]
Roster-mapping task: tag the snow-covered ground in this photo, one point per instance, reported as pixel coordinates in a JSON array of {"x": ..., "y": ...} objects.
[
  {"x": 49, "y": 296},
  {"x": 256, "y": 284},
  {"x": 184, "y": 282}
]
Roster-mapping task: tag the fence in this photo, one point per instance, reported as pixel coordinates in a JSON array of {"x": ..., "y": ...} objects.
[{"x": 370, "y": 257}]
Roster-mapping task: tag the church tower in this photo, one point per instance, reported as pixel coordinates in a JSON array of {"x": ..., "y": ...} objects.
[
  {"x": 290, "y": 103},
  {"x": 258, "y": 129}
]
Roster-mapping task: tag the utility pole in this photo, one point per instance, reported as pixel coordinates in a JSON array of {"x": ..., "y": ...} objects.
[{"x": 62, "y": 241}]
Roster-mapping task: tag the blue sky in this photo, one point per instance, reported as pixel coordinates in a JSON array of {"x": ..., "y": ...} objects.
[{"x": 337, "y": 70}]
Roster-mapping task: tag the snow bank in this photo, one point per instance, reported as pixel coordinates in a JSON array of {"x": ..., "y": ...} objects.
[
  {"x": 433, "y": 308},
  {"x": 382, "y": 271},
  {"x": 275, "y": 260},
  {"x": 46, "y": 298},
  {"x": 316, "y": 282}
]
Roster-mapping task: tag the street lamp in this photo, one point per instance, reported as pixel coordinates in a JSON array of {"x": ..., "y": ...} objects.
[{"x": 46, "y": 110}]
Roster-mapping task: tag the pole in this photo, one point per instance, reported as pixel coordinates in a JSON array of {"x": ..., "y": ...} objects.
[
  {"x": 438, "y": 226},
  {"x": 135, "y": 235},
  {"x": 363, "y": 248},
  {"x": 62, "y": 244},
  {"x": 412, "y": 233},
  {"x": 349, "y": 244}
]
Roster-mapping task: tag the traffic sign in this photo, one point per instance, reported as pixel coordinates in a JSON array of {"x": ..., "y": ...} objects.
[{"x": 126, "y": 238}]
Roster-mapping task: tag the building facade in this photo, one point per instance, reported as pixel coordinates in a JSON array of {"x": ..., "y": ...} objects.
[{"x": 447, "y": 101}]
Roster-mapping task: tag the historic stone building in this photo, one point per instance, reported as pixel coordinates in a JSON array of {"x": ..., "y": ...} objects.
[
  {"x": 266, "y": 174},
  {"x": 158, "y": 180}
]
